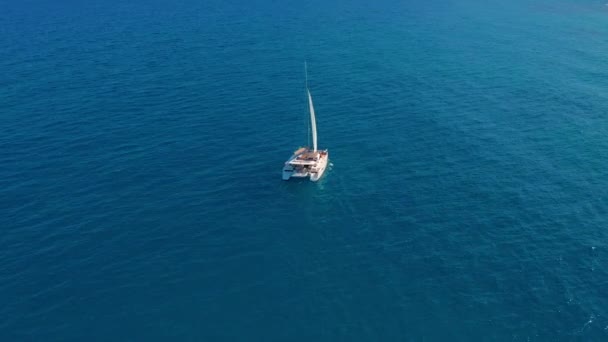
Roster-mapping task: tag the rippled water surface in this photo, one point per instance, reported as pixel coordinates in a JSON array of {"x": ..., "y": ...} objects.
[{"x": 141, "y": 145}]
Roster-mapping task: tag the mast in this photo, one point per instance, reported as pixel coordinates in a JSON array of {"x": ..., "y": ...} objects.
[
  {"x": 313, "y": 120},
  {"x": 306, "y": 73},
  {"x": 306, "y": 86}
]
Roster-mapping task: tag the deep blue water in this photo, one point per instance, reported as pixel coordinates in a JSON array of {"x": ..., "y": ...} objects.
[{"x": 141, "y": 144}]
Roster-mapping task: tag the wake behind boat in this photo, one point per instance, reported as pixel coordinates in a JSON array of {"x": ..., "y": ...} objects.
[{"x": 306, "y": 162}]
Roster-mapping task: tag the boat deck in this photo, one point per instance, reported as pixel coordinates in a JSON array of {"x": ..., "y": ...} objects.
[{"x": 304, "y": 156}]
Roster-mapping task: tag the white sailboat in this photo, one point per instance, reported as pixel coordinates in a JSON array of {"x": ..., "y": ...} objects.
[{"x": 306, "y": 162}]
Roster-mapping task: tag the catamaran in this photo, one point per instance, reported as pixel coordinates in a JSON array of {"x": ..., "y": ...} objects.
[{"x": 306, "y": 162}]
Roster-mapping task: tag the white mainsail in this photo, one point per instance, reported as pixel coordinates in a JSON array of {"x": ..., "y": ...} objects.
[{"x": 313, "y": 122}]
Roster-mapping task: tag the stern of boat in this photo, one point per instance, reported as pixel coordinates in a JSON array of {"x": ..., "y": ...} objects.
[
  {"x": 321, "y": 166},
  {"x": 287, "y": 171}
]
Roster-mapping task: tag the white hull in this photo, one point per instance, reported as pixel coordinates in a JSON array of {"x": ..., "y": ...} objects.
[
  {"x": 296, "y": 167},
  {"x": 321, "y": 166}
]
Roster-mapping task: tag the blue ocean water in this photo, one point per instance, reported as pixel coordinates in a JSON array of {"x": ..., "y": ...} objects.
[{"x": 141, "y": 145}]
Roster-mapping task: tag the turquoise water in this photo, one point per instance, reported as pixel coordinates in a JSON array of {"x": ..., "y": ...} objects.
[{"x": 141, "y": 147}]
